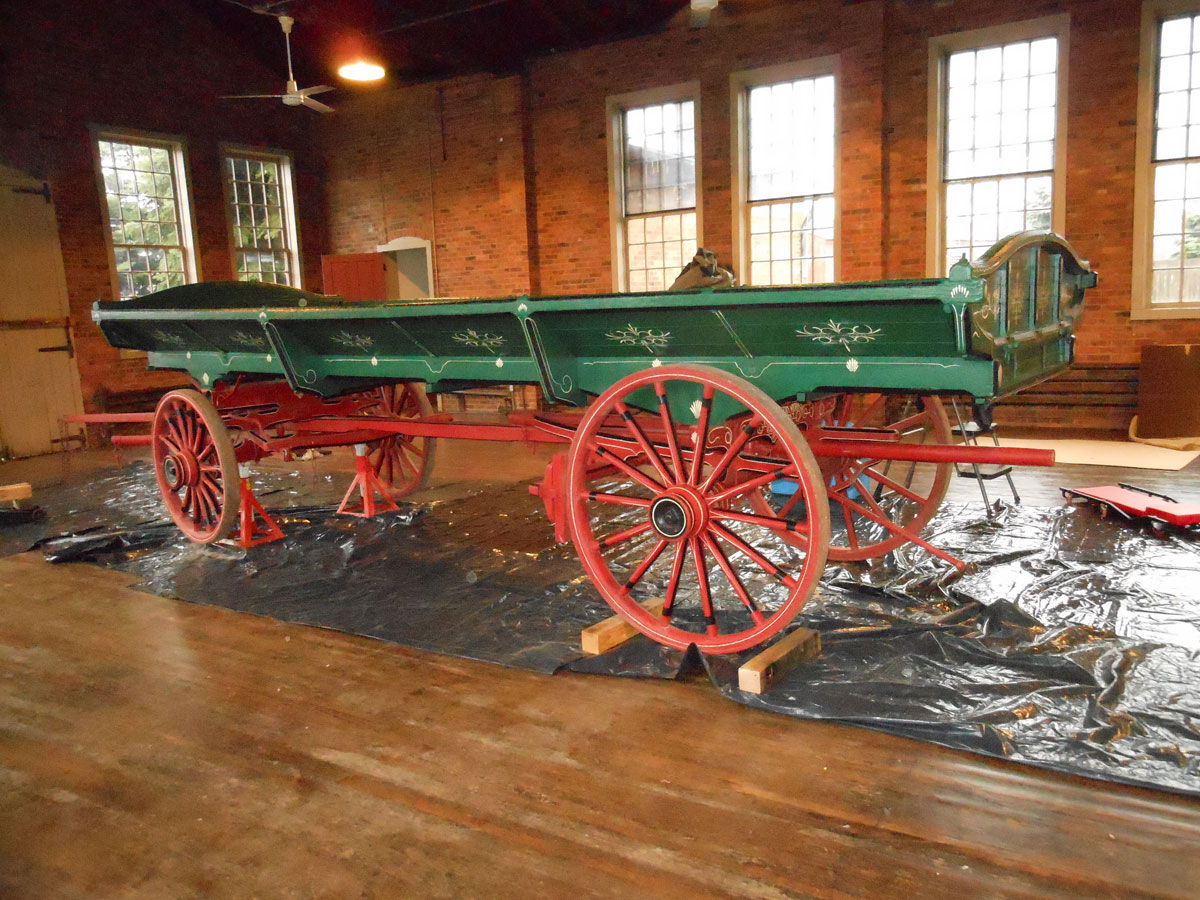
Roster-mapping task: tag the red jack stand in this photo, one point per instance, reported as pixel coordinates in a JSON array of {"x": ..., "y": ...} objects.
[
  {"x": 249, "y": 533},
  {"x": 366, "y": 483}
]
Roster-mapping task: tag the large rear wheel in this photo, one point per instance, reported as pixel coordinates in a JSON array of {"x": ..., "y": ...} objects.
[
  {"x": 652, "y": 513},
  {"x": 878, "y": 499}
]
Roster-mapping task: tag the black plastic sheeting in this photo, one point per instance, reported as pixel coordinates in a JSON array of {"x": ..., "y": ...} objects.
[{"x": 1076, "y": 645}]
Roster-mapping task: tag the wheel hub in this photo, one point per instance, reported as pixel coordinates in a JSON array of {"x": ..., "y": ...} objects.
[
  {"x": 180, "y": 469},
  {"x": 678, "y": 514}
]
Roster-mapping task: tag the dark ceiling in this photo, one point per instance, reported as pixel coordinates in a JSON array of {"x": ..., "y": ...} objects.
[{"x": 422, "y": 39}]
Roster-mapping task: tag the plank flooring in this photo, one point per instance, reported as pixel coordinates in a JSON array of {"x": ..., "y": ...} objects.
[
  {"x": 151, "y": 749},
  {"x": 155, "y": 749}
]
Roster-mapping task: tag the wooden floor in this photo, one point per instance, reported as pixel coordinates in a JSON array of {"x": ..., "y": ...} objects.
[{"x": 155, "y": 749}]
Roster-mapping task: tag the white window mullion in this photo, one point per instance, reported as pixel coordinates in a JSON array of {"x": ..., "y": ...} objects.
[
  {"x": 261, "y": 219},
  {"x": 791, "y": 205},
  {"x": 1175, "y": 242},
  {"x": 148, "y": 218},
  {"x": 999, "y": 144}
]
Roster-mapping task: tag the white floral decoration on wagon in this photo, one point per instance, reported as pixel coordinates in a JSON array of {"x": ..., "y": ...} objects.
[
  {"x": 354, "y": 341},
  {"x": 651, "y": 339},
  {"x": 486, "y": 340},
  {"x": 841, "y": 333},
  {"x": 257, "y": 341},
  {"x": 164, "y": 337}
]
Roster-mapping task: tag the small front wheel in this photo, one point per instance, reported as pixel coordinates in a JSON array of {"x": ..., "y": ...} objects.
[{"x": 195, "y": 466}]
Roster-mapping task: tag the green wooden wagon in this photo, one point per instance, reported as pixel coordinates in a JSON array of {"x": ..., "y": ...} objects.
[{"x": 709, "y": 432}]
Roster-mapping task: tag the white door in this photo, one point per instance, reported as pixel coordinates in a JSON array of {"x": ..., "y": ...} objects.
[{"x": 39, "y": 383}]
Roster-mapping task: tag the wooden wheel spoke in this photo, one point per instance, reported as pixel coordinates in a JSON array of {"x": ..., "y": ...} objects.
[
  {"x": 406, "y": 465},
  {"x": 800, "y": 529},
  {"x": 706, "y": 605},
  {"x": 761, "y": 561},
  {"x": 174, "y": 426},
  {"x": 673, "y": 580},
  {"x": 664, "y": 411},
  {"x": 879, "y": 478},
  {"x": 618, "y": 499},
  {"x": 639, "y": 435},
  {"x": 865, "y": 418},
  {"x": 744, "y": 487},
  {"x": 645, "y": 564},
  {"x": 701, "y": 443},
  {"x": 640, "y": 477},
  {"x": 848, "y": 516},
  {"x": 622, "y": 536},
  {"x": 734, "y": 582},
  {"x": 731, "y": 452},
  {"x": 791, "y": 503},
  {"x": 910, "y": 423}
]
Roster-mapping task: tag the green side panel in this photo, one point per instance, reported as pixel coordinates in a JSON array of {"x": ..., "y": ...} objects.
[{"x": 989, "y": 328}]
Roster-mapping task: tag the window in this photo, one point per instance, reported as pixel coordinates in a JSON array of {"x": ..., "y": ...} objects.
[
  {"x": 258, "y": 189},
  {"x": 999, "y": 143},
  {"x": 1167, "y": 226},
  {"x": 655, "y": 179},
  {"x": 147, "y": 214},
  {"x": 786, "y": 174}
]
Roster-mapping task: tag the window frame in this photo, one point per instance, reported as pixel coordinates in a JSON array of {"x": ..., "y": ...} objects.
[
  {"x": 940, "y": 48},
  {"x": 287, "y": 188},
  {"x": 1154, "y": 12},
  {"x": 740, "y": 83},
  {"x": 615, "y": 107},
  {"x": 174, "y": 144}
]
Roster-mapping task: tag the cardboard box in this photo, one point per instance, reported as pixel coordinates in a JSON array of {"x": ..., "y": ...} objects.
[{"x": 1169, "y": 391}]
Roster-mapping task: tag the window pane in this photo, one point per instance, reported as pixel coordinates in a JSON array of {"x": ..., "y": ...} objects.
[
  {"x": 1001, "y": 119},
  {"x": 259, "y": 219},
  {"x": 659, "y": 161},
  {"x": 657, "y": 248},
  {"x": 797, "y": 246},
  {"x": 140, "y": 192},
  {"x": 994, "y": 93},
  {"x": 791, "y": 138}
]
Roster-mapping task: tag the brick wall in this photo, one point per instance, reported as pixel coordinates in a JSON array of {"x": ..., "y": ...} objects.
[
  {"x": 146, "y": 67},
  {"x": 386, "y": 151}
]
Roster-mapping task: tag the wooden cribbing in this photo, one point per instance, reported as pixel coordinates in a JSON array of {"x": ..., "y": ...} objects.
[
  {"x": 760, "y": 672},
  {"x": 14, "y": 492},
  {"x": 603, "y": 636}
]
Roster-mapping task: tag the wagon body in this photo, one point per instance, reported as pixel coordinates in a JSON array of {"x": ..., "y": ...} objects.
[
  {"x": 720, "y": 426},
  {"x": 987, "y": 330}
]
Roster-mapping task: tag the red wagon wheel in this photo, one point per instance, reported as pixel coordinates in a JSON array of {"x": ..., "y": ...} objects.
[
  {"x": 646, "y": 510},
  {"x": 404, "y": 463},
  {"x": 878, "y": 499},
  {"x": 195, "y": 466}
]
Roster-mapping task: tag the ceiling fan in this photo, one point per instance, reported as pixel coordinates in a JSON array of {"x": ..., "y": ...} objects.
[{"x": 294, "y": 96}]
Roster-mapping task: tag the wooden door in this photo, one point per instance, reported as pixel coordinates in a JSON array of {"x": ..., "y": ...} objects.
[
  {"x": 355, "y": 276},
  {"x": 39, "y": 382}
]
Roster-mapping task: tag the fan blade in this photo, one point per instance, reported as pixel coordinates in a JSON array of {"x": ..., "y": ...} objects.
[
  {"x": 319, "y": 89},
  {"x": 315, "y": 104},
  {"x": 249, "y": 96}
]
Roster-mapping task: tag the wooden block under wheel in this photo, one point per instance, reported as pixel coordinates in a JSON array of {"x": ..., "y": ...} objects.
[
  {"x": 760, "y": 672},
  {"x": 603, "y": 636}
]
